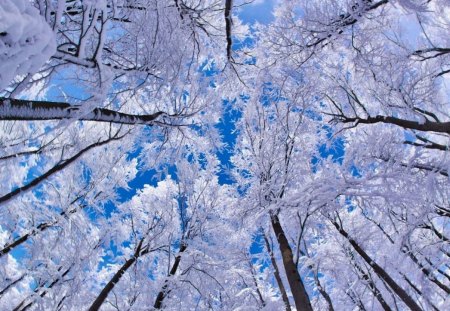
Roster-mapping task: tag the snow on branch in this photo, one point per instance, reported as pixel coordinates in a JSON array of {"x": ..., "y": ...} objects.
[
  {"x": 28, "y": 110},
  {"x": 26, "y": 40}
]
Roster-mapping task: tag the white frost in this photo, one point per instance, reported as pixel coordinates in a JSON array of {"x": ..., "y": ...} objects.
[{"x": 26, "y": 40}]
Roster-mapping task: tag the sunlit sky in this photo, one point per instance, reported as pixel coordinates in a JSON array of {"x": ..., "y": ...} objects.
[{"x": 258, "y": 11}]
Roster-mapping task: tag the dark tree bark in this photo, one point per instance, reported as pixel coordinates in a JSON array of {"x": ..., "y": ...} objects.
[
  {"x": 24, "y": 238},
  {"x": 427, "y": 272},
  {"x": 400, "y": 292},
  {"x": 301, "y": 299},
  {"x": 165, "y": 289},
  {"x": 117, "y": 276},
  {"x": 41, "y": 227},
  {"x": 10, "y": 285},
  {"x": 55, "y": 169},
  {"x": 339, "y": 24},
  {"x": 276, "y": 273},
  {"x": 25, "y": 306},
  {"x": 319, "y": 286},
  {"x": 418, "y": 291},
  {"x": 38, "y": 229},
  {"x": 31, "y": 110},
  {"x": 255, "y": 283},
  {"x": 228, "y": 22},
  {"x": 427, "y": 126},
  {"x": 373, "y": 288}
]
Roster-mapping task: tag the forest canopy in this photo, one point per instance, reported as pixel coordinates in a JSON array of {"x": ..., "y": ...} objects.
[{"x": 180, "y": 155}]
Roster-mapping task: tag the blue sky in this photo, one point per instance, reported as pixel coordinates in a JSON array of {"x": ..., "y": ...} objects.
[{"x": 258, "y": 11}]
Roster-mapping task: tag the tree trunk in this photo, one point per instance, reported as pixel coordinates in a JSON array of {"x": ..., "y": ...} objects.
[
  {"x": 23, "y": 306},
  {"x": 32, "y": 110},
  {"x": 165, "y": 289},
  {"x": 400, "y": 292},
  {"x": 116, "y": 278},
  {"x": 373, "y": 288},
  {"x": 255, "y": 283},
  {"x": 228, "y": 23},
  {"x": 55, "y": 169},
  {"x": 9, "y": 247},
  {"x": 276, "y": 273},
  {"x": 301, "y": 299},
  {"x": 427, "y": 126}
]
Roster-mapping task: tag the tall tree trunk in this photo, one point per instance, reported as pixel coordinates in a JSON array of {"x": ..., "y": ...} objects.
[
  {"x": 301, "y": 299},
  {"x": 10, "y": 285},
  {"x": 255, "y": 283},
  {"x": 319, "y": 286},
  {"x": 276, "y": 273},
  {"x": 38, "y": 229},
  {"x": 427, "y": 272},
  {"x": 418, "y": 291},
  {"x": 32, "y": 110},
  {"x": 55, "y": 169},
  {"x": 43, "y": 289},
  {"x": 228, "y": 23},
  {"x": 9, "y": 247},
  {"x": 165, "y": 289},
  {"x": 427, "y": 126},
  {"x": 400, "y": 292},
  {"x": 116, "y": 278},
  {"x": 371, "y": 285}
]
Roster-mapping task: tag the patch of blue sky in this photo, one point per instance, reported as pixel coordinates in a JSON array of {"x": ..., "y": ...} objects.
[
  {"x": 257, "y": 246},
  {"x": 229, "y": 133},
  {"x": 111, "y": 256},
  {"x": 333, "y": 148},
  {"x": 19, "y": 252},
  {"x": 257, "y": 11}
]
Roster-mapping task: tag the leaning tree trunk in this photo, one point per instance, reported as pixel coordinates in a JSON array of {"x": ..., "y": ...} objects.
[
  {"x": 32, "y": 110},
  {"x": 165, "y": 289},
  {"x": 399, "y": 291},
  {"x": 55, "y": 169},
  {"x": 276, "y": 273},
  {"x": 373, "y": 288},
  {"x": 116, "y": 278},
  {"x": 35, "y": 231},
  {"x": 301, "y": 299},
  {"x": 41, "y": 290}
]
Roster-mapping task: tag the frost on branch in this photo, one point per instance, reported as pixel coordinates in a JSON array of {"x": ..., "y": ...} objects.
[{"x": 26, "y": 40}]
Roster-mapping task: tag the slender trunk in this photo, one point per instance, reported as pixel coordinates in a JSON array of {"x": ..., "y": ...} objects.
[
  {"x": 39, "y": 228},
  {"x": 427, "y": 126},
  {"x": 228, "y": 23},
  {"x": 255, "y": 283},
  {"x": 276, "y": 273},
  {"x": 32, "y": 110},
  {"x": 23, "y": 238},
  {"x": 440, "y": 271},
  {"x": 165, "y": 289},
  {"x": 323, "y": 292},
  {"x": 440, "y": 235},
  {"x": 418, "y": 291},
  {"x": 116, "y": 278},
  {"x": 109, "y": 287},
  {"x": 319, "y": 286},
  {"x": 427, "y": 272},
  {"x": 10, "y": 285},
  {"x": 23, "y": 306},
  {"x": 373, "y": 288},
  {"x": 345, "y": 20},
  {"x": 55, "y": 169},
  {"x": 301, "y": 299},
  {"x": 400, "y": 292},
  {"x": 356, "y": 300}
]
